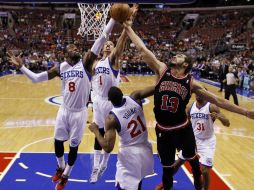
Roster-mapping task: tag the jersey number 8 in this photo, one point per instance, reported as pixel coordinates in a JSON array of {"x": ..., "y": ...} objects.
[{"x": 72, "y": 87}]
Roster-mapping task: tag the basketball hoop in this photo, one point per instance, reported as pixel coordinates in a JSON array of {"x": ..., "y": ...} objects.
[{"x": 93, "y": 19}]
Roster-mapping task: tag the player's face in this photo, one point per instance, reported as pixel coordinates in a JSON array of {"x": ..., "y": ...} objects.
[
  {"x": 73, "y": 52},
  {"x": 199, "y": 99},
  {"x": 178, "y": 59},
  {"x": 108, "y": 47}
]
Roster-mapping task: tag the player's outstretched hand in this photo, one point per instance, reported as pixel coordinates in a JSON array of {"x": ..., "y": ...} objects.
[
  {"x": 15, "y": 60},
  {"x": 250, "y": 114},
  {"x": 93, "y": 127},
  {"x": 129, "y": 21},
  {"x": 134, "y": 10}
]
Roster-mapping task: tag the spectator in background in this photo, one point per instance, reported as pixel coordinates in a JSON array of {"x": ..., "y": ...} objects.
[
  {"x": 241, "y": 73},
  {"x": 223, "y": 70},
  {"x": 250, "y": 66},
  {"x": 124, "y": 66}
]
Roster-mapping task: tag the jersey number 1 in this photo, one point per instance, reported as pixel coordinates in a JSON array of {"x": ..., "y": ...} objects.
[
  {"x": 134, "y": 124},
  {"x": 72, "y": 87},
  {"x": 100, "y": 80}
]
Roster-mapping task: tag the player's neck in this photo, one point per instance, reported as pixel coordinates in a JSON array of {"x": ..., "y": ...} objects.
[
  {"x": 105, "y": 55},
  {"x": 178, "y": 72},
  {"x": 200, "y": 104},
  {"x": 71, "y": 62}
]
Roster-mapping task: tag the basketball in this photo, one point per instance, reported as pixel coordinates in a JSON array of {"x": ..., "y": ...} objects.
[{"x": 120, "y": 12}]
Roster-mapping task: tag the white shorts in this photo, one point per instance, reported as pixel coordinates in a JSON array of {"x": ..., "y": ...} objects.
[
  {"x": 206, "y": 150},
  {"x": 133, "y": 164},
  {"x": 70, "y": 125},
  {"x": 101, "y": 109}
]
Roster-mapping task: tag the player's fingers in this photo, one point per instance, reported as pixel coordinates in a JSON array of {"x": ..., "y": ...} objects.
[
  {"x": 10, "y": 58},
  {"x": 134, "y": 10},
  {"x": 135, "y": 5},
  {"x": 10, "y": 54}
]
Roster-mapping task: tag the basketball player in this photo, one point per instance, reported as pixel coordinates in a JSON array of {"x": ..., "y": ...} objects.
[
  {"x": 75, "y": 74},
  {"x": 107, "y": 74},
  {"x": 202, "y": 115},
  {"x": 135, "y": 157},
  {"x": 172, "y": 94}
]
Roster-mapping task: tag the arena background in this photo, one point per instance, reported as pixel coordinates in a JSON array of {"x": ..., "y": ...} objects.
[{"x": 210, "y": 31}]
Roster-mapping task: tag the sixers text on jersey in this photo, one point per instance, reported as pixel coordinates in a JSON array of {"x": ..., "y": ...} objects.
[
  {"x": 199, "y": 116},
  {"x": 102, "y": 70},
  {"x": 71, "y": 74}
]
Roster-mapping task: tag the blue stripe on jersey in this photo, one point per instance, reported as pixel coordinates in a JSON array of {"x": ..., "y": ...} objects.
[
  {"x": 136, "y": 101},
  {"x": 87, "y": 73},
  {"x": 115, "y": 72}
]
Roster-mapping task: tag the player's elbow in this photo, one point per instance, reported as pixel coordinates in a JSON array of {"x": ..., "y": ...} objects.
[
  {"x": 35, "y": 80},
  {"x": 227, "y": 123}
]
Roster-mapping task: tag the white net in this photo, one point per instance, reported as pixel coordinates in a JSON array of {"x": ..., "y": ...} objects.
[{"x": 93, "y": 19}]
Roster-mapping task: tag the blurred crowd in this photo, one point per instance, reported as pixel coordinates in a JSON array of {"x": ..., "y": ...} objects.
[{"x": 213, "y": 38}]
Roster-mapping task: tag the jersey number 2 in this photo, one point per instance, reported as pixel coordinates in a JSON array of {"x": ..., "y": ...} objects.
[
  {"x": 72, "y": 87},
  {"x": 170, "y": 104},
  {"x": 134, "y": 124}
]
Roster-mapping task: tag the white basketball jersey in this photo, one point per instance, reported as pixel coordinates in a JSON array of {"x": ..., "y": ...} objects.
[
  {"x": 132, "y": 121},
  {"x": 202, "y": 122},
  {"x": 104, "y": 78},
  {"x": 75, "y": 85}
]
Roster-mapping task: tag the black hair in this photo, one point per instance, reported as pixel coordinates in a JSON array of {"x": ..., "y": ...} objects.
[{"x": 115, "y": 95}]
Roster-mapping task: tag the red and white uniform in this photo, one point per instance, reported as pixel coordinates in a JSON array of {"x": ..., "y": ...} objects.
[
  {"x": 105, "y": 77},
  {"x": 202, "y": 125},
  {"x": 72, "y": 115},
  {"x": 135, "y": 156}
]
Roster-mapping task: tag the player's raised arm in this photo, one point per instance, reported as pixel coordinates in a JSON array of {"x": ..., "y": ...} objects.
[
  {"x": 34, "y": 77},
  {"x": 91, "y": 55},
  {"x": 144, "y": 93},
  {"x": 220, "y": 102},
  {"x": 121, "y": 42},
  {"x": 157, "y": 66},
  {"x": 108, "y": 141}
]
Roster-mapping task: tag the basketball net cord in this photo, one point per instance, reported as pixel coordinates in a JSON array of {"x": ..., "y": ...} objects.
[{"x": 93, "y": 19}]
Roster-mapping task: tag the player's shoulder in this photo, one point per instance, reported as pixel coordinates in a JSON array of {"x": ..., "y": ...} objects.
[
  {"x": 63, "y": 63},
  {"x": 112, "y": 120}
]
